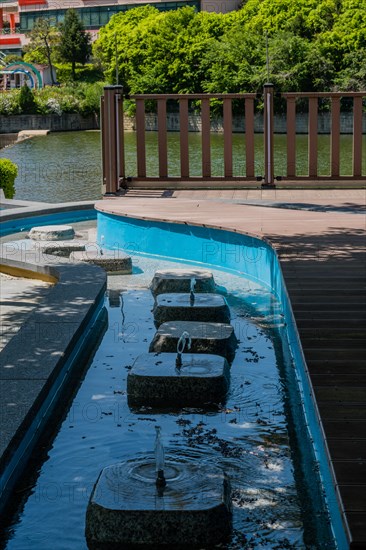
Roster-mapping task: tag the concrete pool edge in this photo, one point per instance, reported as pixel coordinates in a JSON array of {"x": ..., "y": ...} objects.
[
  {"x": 44, "y": 352},
  {"x": 313, "y": 420},
  {"x": 34, "y": 213}
]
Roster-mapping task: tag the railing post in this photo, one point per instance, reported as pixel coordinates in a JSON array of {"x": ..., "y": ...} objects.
[
  {"x": 112, "y": 138},
  {"x": 291, "y": 136},
  {"x": 140, "y": 138},
  {"x": 313, "y": 137},
  {"x": 335, "y": 137},
  {"x": 268, "y": 135},
  {"x": 249, "y": 137},
  {"x": 357, "y": 137}
]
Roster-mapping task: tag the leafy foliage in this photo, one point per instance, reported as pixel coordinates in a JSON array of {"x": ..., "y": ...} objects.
[
  {"x": 8, "y": 173},
  {"x": 44, "y": 43},
  {"x": 82, "y": 98},
  {"x": 313, "y": 45}
]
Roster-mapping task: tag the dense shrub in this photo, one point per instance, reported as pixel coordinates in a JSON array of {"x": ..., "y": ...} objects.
[
  {"x": 8, "y": 173},
  {"x": 9, "y": 103},
  {"x": 27, "y": 102},
  {"x": 81, "y": 97}
]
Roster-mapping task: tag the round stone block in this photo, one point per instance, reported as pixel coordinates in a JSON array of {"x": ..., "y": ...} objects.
[
  {"x": 111, "y": 260},
  {"x": 214, "y": 338},
  {"x": 52, "y": 233},
  {"x": 179, "y": 280},
  {"x": 155, "y": 380},
  {"x": 126, "y": 510},
  {"x": 179, "y": 307}
]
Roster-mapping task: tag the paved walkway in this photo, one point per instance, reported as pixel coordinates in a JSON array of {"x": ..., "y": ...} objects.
[
  {"x": 18, "y": 298},
  {"x": 321, "y": 242}
]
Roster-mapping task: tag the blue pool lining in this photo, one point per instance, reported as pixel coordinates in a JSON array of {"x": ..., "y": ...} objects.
[{"x": 257, "y": 260}]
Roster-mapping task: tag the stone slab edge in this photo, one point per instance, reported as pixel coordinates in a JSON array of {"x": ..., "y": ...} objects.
[
  {"x": 25, "y": 209},
  {"x": 81, "y": 319}
]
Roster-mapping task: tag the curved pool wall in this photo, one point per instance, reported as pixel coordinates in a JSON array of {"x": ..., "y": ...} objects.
[
  {"x": 24, "y": 220},
  {"x": 255, "y": 259}
]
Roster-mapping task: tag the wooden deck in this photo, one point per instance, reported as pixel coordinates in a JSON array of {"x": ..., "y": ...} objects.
[{"x": 321, "y": 242}]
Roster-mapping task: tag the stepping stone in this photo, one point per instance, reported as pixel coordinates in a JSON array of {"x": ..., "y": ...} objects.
[
  {"x": 111, "y": 260},
  {"x": 215, "y": 338},
  {"x": 155, "y": 380},
  {"x": 179, "y": 307},
  {"x": 179, "y": 280},
  {"x": 52, "y": 233},
  {"x": 126, "y": 510},
  {"x": 62, "y": 249}
]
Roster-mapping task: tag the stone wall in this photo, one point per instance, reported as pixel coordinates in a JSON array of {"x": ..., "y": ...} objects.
[
  {"x": 324, "y": 123},
  {"x": 55, "y": 123},
  {"x": 74, "y": 121}
]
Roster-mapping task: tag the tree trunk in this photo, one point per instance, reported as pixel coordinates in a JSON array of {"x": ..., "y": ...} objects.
[
  {"x": 73, "y": 69},
  {"x": 48, "y": 50}
]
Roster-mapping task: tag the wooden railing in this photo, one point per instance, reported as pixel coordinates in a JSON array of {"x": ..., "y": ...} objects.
[
  {"x": 183, "y": 100},
  {"x": 313, "y": 100},
  {"x": 113, "y": 136}
]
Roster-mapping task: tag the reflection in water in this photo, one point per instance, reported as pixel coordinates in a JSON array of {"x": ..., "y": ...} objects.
[
  {"x": 66, "y": 166},
  {"x": 248, "y": 438}
]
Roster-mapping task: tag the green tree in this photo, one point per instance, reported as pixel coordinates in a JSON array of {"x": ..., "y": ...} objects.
[
  {"x": 75, "y": 41},
  {"x": 44, "y": 41},
  {"x": 314, "y": 45}
]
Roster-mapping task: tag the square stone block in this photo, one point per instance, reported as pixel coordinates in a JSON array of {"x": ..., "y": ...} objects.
[
  {"x": 111, "y": 260},
  {"x": 179, "y": 307},
  {"x": 179, "y": 280},
  {"x": 126, "y": 510},
  {"x": 155, "y": 380},
  {"x": 214, "y": 338}
]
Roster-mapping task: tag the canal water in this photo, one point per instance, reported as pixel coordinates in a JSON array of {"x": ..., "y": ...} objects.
[
  {"x": 249, "y": 436},
  {"x": 64, "y": 167}
]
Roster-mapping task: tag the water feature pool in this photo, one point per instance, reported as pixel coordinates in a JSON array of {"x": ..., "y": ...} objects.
[
  {"x": 277, "y": 502},
  {"x": 248, "y": 437}
]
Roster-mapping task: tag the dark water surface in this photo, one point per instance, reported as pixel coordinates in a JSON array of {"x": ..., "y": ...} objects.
[
  {"x": 247, "y": 437},
  {"x": 66, "y": 166}
]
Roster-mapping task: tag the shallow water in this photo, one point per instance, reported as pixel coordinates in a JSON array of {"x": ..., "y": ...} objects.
[{"x": 247, "y": 436}]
